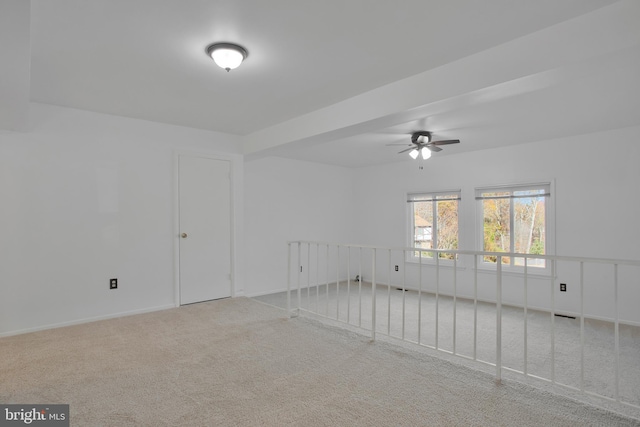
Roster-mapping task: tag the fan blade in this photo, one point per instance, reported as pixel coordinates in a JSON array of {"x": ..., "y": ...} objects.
[
  {"x": 446, "y": 142},
  {"x": 433, "y": 148},
  {"x": 400, "y": 142},
  {"x": 404, "y": 151},
  {"x": 398, "y": 145}
]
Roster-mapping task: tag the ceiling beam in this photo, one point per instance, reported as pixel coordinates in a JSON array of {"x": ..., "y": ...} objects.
[{"x": 537, "y": 61}]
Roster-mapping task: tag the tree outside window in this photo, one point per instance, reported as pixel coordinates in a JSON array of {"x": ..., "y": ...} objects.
[
  {"x": 434, "y": 222},
  {"x": 514, "y": 220}
]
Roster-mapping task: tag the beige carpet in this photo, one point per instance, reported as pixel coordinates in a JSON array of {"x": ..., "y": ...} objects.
[
  {"x": 238, "y": 362},
  {"x": 599, "y": 337}
]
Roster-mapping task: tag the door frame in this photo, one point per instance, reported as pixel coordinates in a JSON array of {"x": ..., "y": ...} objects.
[{"x": 235, "y": 195}]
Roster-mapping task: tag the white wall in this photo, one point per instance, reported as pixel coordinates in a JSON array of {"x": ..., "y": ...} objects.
[
  {"x": 595, "y": 178},
  {"x": 596, "y": 202},
  {"x": 15, "y": 73},
  {"x": 87, "y": 197},
  {"x": 289, "y": 200}
]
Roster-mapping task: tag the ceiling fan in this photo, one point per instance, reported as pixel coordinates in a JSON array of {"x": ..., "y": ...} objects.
[{"x": 425, "y": 145}]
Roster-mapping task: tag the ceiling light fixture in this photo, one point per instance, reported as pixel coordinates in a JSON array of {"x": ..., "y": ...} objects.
[
  {"x": 421, "y": 143},
  {"x": 227, "y": 55}
]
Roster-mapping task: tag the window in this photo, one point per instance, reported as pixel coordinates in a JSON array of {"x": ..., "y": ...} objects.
[
  {"x": 514, "y": 219},
  {"x": 434, "y": 222}
]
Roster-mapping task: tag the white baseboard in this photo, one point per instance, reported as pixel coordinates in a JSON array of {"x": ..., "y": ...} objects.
[
  {"x": 293, "y": 288},
  {"x": 86, "y": 320},
  {"x": 467, "y": 297},
  {"x": 269, "y": 292}
]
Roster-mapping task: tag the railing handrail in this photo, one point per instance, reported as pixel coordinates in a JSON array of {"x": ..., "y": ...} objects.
[
  {"x": 437, "y": 262},
  {"x": 475, "y": 252}
]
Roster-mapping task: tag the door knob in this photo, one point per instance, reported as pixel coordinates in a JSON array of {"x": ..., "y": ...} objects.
[{"x": 183, "y": 235}]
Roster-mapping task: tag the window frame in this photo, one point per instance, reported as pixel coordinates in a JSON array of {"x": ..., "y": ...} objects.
[
  {"x": 413, "y": 197},
  {"x": 549, "y": 212}
]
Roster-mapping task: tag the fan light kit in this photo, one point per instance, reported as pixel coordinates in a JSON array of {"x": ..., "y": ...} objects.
[
  {"x": 227, "y": 55},
  {"x": 425, "y": 146},
  {"x": 426, "y": 153}
]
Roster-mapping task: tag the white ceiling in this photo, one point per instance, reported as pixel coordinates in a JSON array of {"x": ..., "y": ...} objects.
[{"x": 334, "y": 81}]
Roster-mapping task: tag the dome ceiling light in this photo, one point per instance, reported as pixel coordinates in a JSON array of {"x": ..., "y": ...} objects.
[{"x": 227, "y": 55}]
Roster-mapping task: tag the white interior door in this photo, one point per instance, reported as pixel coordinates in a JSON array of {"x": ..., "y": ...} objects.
[{"x": 205, "y": 228}]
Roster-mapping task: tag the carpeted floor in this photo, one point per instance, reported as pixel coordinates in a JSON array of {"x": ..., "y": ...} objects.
[
  {"x": 238, "y": 362},
  {"x": 599, "y": 341}
]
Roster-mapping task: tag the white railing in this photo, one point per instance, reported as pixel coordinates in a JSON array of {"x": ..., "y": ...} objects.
[{"x": 353, "y": 284}]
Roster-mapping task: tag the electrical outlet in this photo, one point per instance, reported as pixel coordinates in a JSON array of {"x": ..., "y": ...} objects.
[
  {"x": 396, "y": 268},
  {"x": 113, "y": 284},
  {"x": 563, "y": 287}
]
